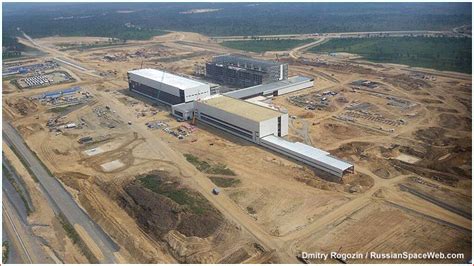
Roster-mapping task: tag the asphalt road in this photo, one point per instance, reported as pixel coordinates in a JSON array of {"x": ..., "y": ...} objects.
[
  {"x": 341, "y": 34},
  {"x": 61, "y": 198},
  {"x": 13, "y": 252},
  {"x": 21, "y": 243},
  {"x": 24, "y": 246},
  {"x": 13, "y": 196},
  {"x": 16, "y": 253}
]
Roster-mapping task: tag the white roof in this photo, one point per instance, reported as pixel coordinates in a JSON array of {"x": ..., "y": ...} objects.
[
  {"x": 167, "y": 78},
  {"x": 309, "y": 152},
  {"x": 248, "y": 110}
]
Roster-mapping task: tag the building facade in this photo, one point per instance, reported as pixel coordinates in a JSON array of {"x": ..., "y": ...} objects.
[
  {"x": 243, "y": 119},
  {"x": 241, "y": 72},
  {"x": 165, "y": 87},
  {"x": 309, "y": 155},
  {"x": 183, "y": 111},
  {"x": 265, "y": 126}
]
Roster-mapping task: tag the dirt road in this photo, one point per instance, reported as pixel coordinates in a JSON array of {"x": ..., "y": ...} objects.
[
  {"x": 295, "y": 53},
  {"x": 62, "y": 199},
  {"x": 285, "y": 246},
  {"x": 196, "y": 179},
  {"x": 60, "y": 57}
]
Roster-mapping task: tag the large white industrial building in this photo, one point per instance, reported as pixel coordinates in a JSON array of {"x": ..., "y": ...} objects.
[
  {"x": 244, "y": 119},
  {"x": 165, "y": 87},
  {"x": 266, "y": 127},
  {"x": 235, "y": 113}
]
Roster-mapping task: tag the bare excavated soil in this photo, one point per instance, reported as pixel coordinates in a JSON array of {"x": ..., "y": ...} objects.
[
  {"x": 191, "y": 229},
  {"x": 451, "y": 121},
  {"x": 409, "y": 139},
  {"x": 353, "y": 151},
  {"x": 22, "y": 106},
  {"x": 456, "y": 200},
  {"x": 407, "y": 83},
  {"x": 442, "y": 109},
  {"x": 383, "y": 227},
  {"x": 434, "y": 136},
  {"x": 161, "y": 205},
  {"x": 446, "y": 165}
]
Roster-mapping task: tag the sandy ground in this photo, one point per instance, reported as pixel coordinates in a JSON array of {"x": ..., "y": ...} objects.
[
  {"x": 44, "y": 222},
  {"x": 415, "y": 123}
]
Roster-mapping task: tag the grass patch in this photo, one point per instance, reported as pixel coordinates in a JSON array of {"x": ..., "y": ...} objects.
[
  {"x": 5, "y": 251},
  {"x": 443, "y": 53},
  {"x": 11, "y": 54},
  {"x": 8, "y": 78},
  {"x": 183, "y": 197},
  {"x": 41, "y": 162},
  {"x": 62, "y": 109},
  {"x": 8, "y": 175},
  {"x": 91, "y": 46},
  {"x": 69, "y": 229},
  {"x": 209, "y": 168},
  {"x": 76, "y": 239},
  {"x": 224, "y": 181},
  {"x": 251, "y": 210},
  {"x": 24, "y": 52},
  {"x": 58, "y": 109},
  {"x": 260, "y": 46},
  {"x": 25, "y": 163}
]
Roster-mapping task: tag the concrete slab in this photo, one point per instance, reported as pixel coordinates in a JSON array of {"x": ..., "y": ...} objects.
[
  {"x": 94, "y": 151},
  {"x": 407, "y": 158},
  {"x": 113, "y": 165}
]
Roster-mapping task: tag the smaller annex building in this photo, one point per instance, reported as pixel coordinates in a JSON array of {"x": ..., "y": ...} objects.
[
  {"x": 241, "y": 118},
  {"x": 309, "y": 155},
  {"x": 165, "y": 87},
  {"x": 291, "y": 84}
]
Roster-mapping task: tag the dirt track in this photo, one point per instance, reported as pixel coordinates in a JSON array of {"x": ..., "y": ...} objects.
[{"x": 271, "y": 206}]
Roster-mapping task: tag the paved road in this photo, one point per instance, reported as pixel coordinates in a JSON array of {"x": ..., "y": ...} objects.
[
  {"x": 70, "y": 64},
  {"x": 13, "y": 252},
  {"x": 17, "y": 252},
  {"x": 29, "y": 39},
  {"x": 64, "y": 60},
  {"x": 339, "y": 34},
  {"x": 22, "y": 242},
  {"x": 21, "y": 186},
  {"x": 24, "y": 246},
  {"x": 198, "y": 180},
  {"x": 323, "y": 37},
  {"x": 14, "y": 197},
  {"x": 224, "y": 204},
  {"x": 61, "y": 198},
  {"x": 295, "y": 52}
]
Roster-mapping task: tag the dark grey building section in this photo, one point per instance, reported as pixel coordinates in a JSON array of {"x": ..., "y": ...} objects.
[
  {"x": 244, "y": 72},
  {"x": 233, "y": 129},
  {"x": 155, "y": 94}
]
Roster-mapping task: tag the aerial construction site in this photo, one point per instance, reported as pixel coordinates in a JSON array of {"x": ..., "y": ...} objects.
[{"x": 179, "y": 149}]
